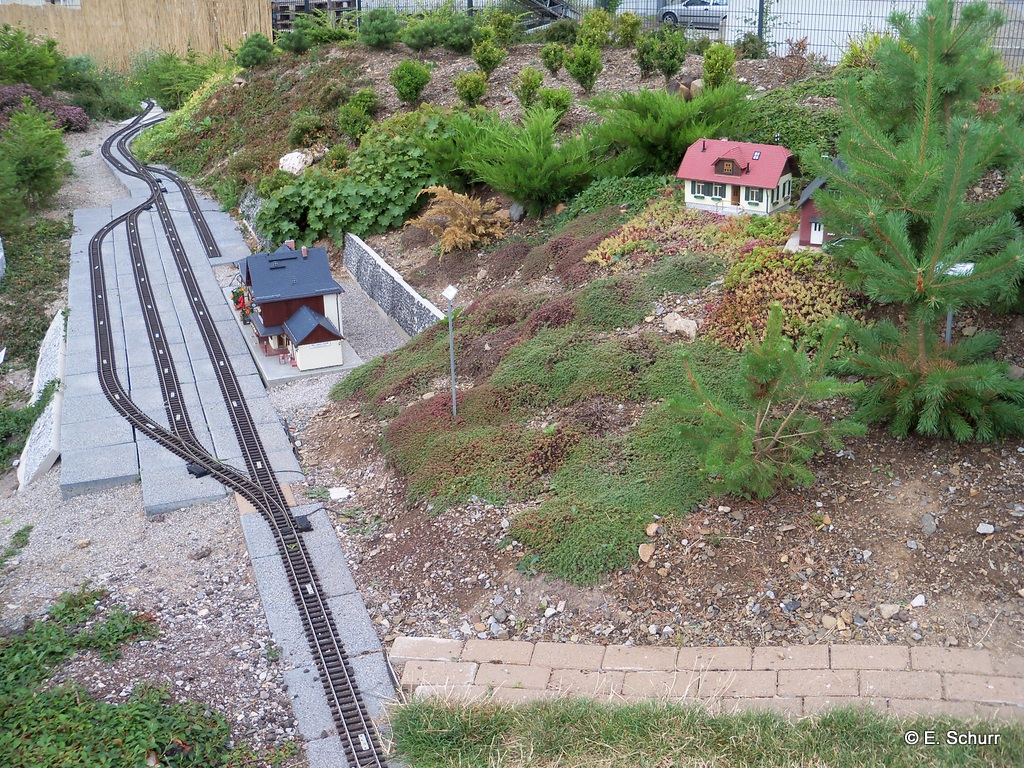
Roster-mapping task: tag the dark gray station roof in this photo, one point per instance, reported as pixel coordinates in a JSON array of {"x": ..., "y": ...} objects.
[
  {"x": 304, "y": 322},
  {"x": 286, "y": 274}
]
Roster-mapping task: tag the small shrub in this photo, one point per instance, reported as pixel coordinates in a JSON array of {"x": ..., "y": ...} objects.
[
  {"x": 750, "y": 46},
  {"x": 34, "y": 150},
  {"x": 488, "y": 56},
  {"x": 409, "y": 79},
  {"x": 595, "y": 29},
  {"x": 459, "y": 221},
  {"x": 333, "y": 94},
  {"x": 423, "y": 34},
  {"x": 471, "y": 87},
  {"x": 171, "y": 79},
  {"x": 670, "y": 52},
  {"x": 860, "y": 51},
  {"x": 101, "y": 93},
  {"x": 526, "y": 85},
  {"x": 505, "y": 29},
  {"x": 28, "y": 59},
  {"x": 563, "y": 31},
  {"x": 584, "y": 65},
  {"x": 336, "y": 158},
  {"x": 293, "y": 42},
  {"x": 631, "y": 192},
  {"x": 645, "y": 55},
  {"x": 66, "y": 118},
  {"x": 718, "y": 64},
  {"x": 459, "y": 32},
  {"x": 270, "y": 183},
  {"x": 553, "y": 56},
  {"x": 379, "y": 28},
  {"x": 356, "y": 116},
  {"x": 556, "y": 99},
  {"x": 255, "y": 51},
  {"x": 306, "y": 128},
  {"x": 627, "y": 29}
]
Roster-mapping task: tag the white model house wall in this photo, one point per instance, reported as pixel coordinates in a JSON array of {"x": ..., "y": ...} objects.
[
  {"x": 323, "y": 354},
  {"x": 723, "y": 203}
]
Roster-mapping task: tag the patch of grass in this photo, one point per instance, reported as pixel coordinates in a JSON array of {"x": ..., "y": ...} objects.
[
  {"x": 37, "y": 262},
  {"x": 62, "y": 726},
  {"x": 16, "y": 423},
  {"x": 573, "y": 733},
  {"x": 19, "y": 540}
]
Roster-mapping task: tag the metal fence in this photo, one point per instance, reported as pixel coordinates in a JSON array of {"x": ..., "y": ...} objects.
[{"x": 828, "y": 25}]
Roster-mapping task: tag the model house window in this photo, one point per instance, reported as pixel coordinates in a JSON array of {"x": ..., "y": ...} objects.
[
  {"x": 785, "y": 188},
  {"x": 752, "y": 195},
  {"x": 718, "y": 190},
  {"x": 727, "y": 166},
  {"x": 775, "y": 196},
  {"x": 698, "y": 188}
]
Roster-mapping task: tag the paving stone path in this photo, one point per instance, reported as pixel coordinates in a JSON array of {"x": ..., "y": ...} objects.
[{"x": 794, "y": 680}]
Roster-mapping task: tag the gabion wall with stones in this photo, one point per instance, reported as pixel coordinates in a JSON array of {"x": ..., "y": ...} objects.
[
  {"x": 397, "y": 298},
  {"x": 248, "y": 208},
  {"x": 3, "y": 260}
]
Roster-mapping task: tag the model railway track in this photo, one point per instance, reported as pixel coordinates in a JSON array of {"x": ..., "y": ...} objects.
[{"x": 258, "y": 486}]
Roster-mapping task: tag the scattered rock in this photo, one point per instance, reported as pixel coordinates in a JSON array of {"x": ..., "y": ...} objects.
[
  {"x": 928, "y": 526},
  {"x": 516, "y": 212},
  {"x": 296, "y": 162},
  {"x": 646, "y": 552},
  {"x": 888, "y": 610},
  {"x": 828, "y": 621},
  {"x": 986, "y": 528},
  {"x": 1015, "y": 372},
  {"x": 83, "y": 543},
  {"x": 911, "y": 544},
  {"x": 918, "y": 602},
  {"x": 683, "y": 326},
  {"x": 199, "y": 554},
  {"x": 339, "y": 494},
  {"x": 652, "y": 529}
]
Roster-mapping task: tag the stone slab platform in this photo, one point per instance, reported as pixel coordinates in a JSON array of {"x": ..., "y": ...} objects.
[{"x": 797, "y": 681}]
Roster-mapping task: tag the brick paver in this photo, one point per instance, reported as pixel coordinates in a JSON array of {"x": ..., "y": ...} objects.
[
  {"x": 791, "y": 657},
  {"x": 870, "y": 657},
  {"x": 951, "y": 660},
  {"x": 819, "y": 682},
  {"x": 648, "y": 657},
  {"x": 796, "y": 681},
  {"x": 512, "y": 676},
  {"x": 568, "y": 656},
  {"x": 500, "y": 651},
  {"x": 900, "y": 685}
]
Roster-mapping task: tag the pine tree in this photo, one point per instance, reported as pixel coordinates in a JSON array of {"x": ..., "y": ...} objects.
[
  {"x": 763, "y": 441},
  {"x": 919, "y": 136}
]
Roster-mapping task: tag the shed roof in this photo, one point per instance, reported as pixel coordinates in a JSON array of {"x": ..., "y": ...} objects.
[
  {"x": 287, "y": 274},
  {"x": 819, "y": 182},
  {"x": 304, "y": 322},
  {"x": 764, "y": 172}
]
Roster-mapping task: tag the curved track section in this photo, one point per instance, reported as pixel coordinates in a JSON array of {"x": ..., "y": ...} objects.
[{"x": 258, "y": 486}]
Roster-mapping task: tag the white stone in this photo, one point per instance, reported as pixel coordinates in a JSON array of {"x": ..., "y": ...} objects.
[
  {"x": 684, "y": 326},
  {"x": 986, "y": 528},
  {"x": 918, "y": 602},
  {"x": 296, "y": 162},
  {"x": 340, "y": 493}
]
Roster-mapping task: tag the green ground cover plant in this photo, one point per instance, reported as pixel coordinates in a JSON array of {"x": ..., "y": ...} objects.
[
  {"x": 573, "y": 733},
  {"x": 16, "y": 422},
  {"x": 809, "y": 130},
  {"x": 19, "y": 540},
  {"x": 60, "y": 725}
]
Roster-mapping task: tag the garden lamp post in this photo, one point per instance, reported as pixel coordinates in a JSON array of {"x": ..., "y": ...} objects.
[{"x": 449, "y": 294}]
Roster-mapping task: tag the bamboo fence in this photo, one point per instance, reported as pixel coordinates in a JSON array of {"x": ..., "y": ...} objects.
[{"x": 113, "y": 31}]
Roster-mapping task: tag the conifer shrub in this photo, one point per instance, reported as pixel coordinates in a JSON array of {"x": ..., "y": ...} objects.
[
  {"x": 458, "y": 32},
  {"x": 471, "y": 87},
  {"x": 488, "y": 56},
  {"x": 526, "y": 85},
  {"x": 380, "y": 28},
  {"x": 595, "y": 29},
  {"x": 294, "y": 42},
  {"x": 35, "y": 153},
  {"x": 718, "y": 65},
  {"x": 459, "y": 221},
  {"x": 558, "y": 100},
  {"x": 27, "y": 59},
  {"x": 662, "y": 51},
  {"x": 563, "y": 31},
  {"x": 423, "y": 34},
  {"x": 584, "y": 65},
  {"x": 750, "y": 46},
  {"x": 644, "y": 55},
  {"x": 553, "y": 56},
  {"x": 409, "y": 79},
  {"x": 102, "y": 93},
  {"x": 255, "y": 51},
  {"x": 320, "y": 27},
  {"x": 627, "y": 29},
  {"x": 505, "y": 28},
  {"x": 530, "y": 163},
  {"x": 763, "y": 444}
]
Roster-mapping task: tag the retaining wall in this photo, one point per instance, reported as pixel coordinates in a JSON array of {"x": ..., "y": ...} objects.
[{"x": 384, "y": 285}]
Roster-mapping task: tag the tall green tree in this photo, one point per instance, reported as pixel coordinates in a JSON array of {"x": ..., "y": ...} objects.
[{"x": 911, "y": 160}]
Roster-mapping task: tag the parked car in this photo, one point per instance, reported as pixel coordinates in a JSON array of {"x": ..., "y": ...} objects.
[{"x": 696, "y": 14}]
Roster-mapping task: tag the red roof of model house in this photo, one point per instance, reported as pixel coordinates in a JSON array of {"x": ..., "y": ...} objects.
[{"x": 753, "y": 165}]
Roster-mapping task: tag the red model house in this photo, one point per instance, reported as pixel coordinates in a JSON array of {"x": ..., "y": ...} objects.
[
  {"x": 812, "y": 232},
  {"x": 737, "y": 177}
]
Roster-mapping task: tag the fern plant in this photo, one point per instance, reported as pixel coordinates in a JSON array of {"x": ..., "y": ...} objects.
[
  {"x": 459, "y": 221},
  {"x": 761, "y": 441}
]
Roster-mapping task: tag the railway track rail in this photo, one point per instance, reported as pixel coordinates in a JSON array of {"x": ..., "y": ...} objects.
[{"x": 257, "y": 483}]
